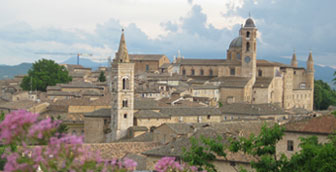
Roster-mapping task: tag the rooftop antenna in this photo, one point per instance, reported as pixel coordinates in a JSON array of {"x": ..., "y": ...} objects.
[
  {"x": 249, "y": 14},
  {"x": 294, "y": 50}
]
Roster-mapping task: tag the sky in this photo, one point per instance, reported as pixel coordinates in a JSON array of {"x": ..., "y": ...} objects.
[{"x": 198, "y": 28}]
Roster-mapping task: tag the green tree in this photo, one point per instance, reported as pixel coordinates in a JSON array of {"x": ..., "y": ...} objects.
[
  {"x": 45, "y": 73},
  {"x": 201, "y": 153},
  {"x": 102, "y": 77},
  {"x": 324, "y": 96},
  {"x": 313, "y": 156},
  {"x": 334, "y": 78}
]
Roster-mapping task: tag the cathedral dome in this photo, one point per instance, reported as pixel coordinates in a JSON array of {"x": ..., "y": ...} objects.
[
  {"x": 249, "y": 23},
  {"x": 236, "y": 43}
]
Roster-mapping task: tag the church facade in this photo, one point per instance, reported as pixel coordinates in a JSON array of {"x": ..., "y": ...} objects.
[{"x": 241, "y": 77}]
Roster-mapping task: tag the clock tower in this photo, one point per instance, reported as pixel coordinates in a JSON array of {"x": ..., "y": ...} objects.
[{"x": 249, "y": 49}]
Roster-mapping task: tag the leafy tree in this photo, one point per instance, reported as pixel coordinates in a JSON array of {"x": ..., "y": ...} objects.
[
  {"x": 102, "y": 77},
  {"x": 45, "y": 73},
  {"x": 334, "y": 78},
  {"x": 200, "y": 154},
  {"x": 313, "y": 156},
  {"x": 324, "y": 96}
]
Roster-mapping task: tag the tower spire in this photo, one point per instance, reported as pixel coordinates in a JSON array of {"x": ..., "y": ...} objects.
[
  {"x": 294, "y": 62},
  {"x": 122, "y": 54}
]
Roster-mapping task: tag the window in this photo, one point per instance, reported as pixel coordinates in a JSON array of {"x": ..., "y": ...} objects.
[
  {"x": 247, "y": 34},
  {"x": 125, "y": 115},
  {"x": 238, "y": 56},
  {"x": 208, "y": 117},
  {"x": 192, "y": 72},
  {"x": 247, "y": 46},
  {"x": 125, "y": 84},
  {"x": 290, "y": 145},
  {"x": 74, "y": 132},
  {"x": 124, "y": 103},
  {"x": 303, "y": 85},
  {"x": 294, "y": 72},
  {"x": 260, "y": 73},
  {"x": 183, "y": 72},
  {"x": 232, "y": 71},
  {"x": 202, "y": 72},
  {"x": 210, "y": 72},
  {"x": 147, "y": 67}
]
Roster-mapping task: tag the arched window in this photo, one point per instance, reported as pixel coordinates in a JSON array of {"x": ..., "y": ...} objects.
[
  {"x": 192, "y": 71},
  {"x": 247, "y": 46},
  {"x": 247, "y": 34},
  {"x": 183, "y": 72},
  {"x": 232, "y": 71},
  {"x": 260, "y": 73},
  {"x": 202, "y": 72},
  {"x": 125, "y": 115},
  {"x": 124, "y": 103},
  {"x": 210, "y": 72},
  {"x": 125, "y": 82}
]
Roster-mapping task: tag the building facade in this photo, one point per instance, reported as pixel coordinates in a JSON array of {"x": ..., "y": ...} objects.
[{"x": 242, "y": 78}]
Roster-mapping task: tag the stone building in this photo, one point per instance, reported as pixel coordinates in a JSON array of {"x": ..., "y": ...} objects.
[
  {"x": 148, "y": 62},
  {"x": 320, "y": 127},
  {"x": 242, "y": 78}
]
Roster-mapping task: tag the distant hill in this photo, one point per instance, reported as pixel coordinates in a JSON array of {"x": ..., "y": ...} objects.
[
  {"x": 7, "y": 71},
  {"x": 84, "y": 62}
]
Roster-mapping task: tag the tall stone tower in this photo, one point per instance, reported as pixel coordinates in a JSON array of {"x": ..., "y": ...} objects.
[
  {"x": 249, "y": 49},
  {"x": 294, "y": 62},
  {"x": 122, "y": 92},
  {"x": 310, "y": 71}
]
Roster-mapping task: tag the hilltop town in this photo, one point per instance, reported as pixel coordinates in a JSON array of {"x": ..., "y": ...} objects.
[{"x": 149, "y": 107}]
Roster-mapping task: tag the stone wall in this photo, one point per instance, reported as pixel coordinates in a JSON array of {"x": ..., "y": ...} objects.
[{"x": 281, "y": 146}]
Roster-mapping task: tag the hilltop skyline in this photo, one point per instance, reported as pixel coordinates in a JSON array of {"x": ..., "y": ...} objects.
[{"x": 199, "y": 29}]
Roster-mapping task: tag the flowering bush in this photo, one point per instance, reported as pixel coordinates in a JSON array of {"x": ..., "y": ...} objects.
[
  {"x": 169, "y": 164},
  {"x": 33, "y": 145}
]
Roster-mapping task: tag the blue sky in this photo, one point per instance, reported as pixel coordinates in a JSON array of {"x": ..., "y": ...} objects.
[{"x": 198, "y": 28}]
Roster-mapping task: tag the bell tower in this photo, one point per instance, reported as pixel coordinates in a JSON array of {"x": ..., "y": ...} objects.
[
  {"x": 122, "y": 92},
  {"x": 249, "y": 49}
]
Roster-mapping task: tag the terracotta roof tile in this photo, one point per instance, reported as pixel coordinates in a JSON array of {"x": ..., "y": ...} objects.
[
  {"x": 110, "y": 151},
  {"x": 323, "y": 124}
]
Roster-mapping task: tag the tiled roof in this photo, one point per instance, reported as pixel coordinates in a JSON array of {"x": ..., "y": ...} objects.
[
  {"x": 79, "y": 85},
  {"x": 200, "y": 61},
  {"x": 251, "y": 109},
  {"x": 63, "y": 93},
  {"x": 99, "y": 113},
  {"x": 149, "y": 114},
  {"x": 196, "y": 111},
  {"x": 263, "y": 82},
  {"x": 146, "y": 137},
  {"x": 268, "y": 63},
  {"x": 180, "y": 128},
  {"x": 145, "y": 103},
  {"x": 323, "y": 124},
  {"x": 176, "y": 148},
  {"x": 151, "y": 57},
  {"x": 23, "y": 104},
  {"x": 231, "y": 81},
  {"x": 206, "y": 86},
  {"x": 114, "y": 150}
]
